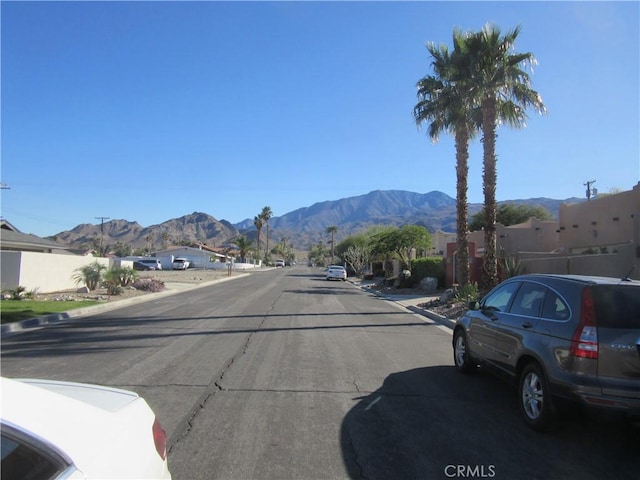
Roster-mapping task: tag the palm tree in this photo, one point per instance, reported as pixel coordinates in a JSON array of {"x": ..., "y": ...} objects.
[
  {"x": 332, "y": 230},
  {"x": 266, "y": 215},
  {"x": 444, "y": 101},
  {"x": 502, "y": 88},
  {"x": 244, "y": 245},
  {"x": 258, "y": 223},
  {"x": 148, "y": 240}
]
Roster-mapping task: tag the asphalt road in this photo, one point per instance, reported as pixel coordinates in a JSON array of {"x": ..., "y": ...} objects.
[{"x": 283, "y": 375}]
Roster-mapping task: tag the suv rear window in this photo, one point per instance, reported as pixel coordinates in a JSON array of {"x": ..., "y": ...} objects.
[{"x": 617, "y": 306}]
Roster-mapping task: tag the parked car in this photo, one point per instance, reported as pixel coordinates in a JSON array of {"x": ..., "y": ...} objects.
[
  {"x": 141, "y": 266},
  {"x": 279, "y": 263},
  {"x": 560, "y": 337},
  {"x": 336, "y": 272},
  {"x": 181, "y": 264},
  {"x": 54, "y": 430},
  {"x": 151, "y": 263}
]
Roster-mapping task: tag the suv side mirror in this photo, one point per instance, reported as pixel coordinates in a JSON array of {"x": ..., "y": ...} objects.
[{"x": 474, "y": 305}]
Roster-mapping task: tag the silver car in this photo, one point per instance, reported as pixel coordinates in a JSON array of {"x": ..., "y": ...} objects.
[{"x": 559, "y": 337}]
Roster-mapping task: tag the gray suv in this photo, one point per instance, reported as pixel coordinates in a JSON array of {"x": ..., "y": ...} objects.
[{"x": 567, "y": 337}]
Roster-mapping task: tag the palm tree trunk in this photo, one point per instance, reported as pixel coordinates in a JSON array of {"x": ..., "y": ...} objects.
[
  {"x": 258, "y": 244},
  {"x": 490, "y": 266},
  {"x": 462, "y": 174},
  {"x": 266, "y": 250}
]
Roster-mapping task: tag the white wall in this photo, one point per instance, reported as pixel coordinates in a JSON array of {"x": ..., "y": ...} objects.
[{"x": 43, "y": 272}]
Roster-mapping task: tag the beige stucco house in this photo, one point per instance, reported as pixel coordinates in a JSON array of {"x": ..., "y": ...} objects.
[{"x": 597, "y": 237}]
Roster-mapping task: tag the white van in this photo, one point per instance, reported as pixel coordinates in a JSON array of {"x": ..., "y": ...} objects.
[{"x": 150, "y": 263}]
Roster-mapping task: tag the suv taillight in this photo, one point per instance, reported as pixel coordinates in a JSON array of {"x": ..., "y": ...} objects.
[
  {"x": 584, "y": 343},
  {"x": 160, "y": 439}
]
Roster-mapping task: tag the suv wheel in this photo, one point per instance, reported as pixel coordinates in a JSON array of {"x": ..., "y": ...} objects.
[
  {"x": 535, "y": 401},
  {"x": 461, "y": 357}
]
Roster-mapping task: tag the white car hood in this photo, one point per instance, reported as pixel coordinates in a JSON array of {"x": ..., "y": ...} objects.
[{"x": 89, "y": 423}]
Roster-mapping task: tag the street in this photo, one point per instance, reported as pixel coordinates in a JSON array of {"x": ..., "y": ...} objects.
[{"x": 281, "y": 374}]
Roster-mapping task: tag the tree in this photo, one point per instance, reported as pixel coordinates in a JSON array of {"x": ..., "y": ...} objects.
[
  {"x": 356, "y": 251},
  {"x": 258, "y": 222},
  {"x": 511, "y": 214},
  {"x": 332, "y": 230},
  {"x": 401, "y": 242},
  {"x": 122, "y": 249},
  {"x": 317, "y": 253},
  {"x": 358, "y": 257},
  {"x": 501, "y": 87},
  {"x": 244, "y": 245},
  {"x": 147, "y": 239},
  {"x": 266, "y": 215},
  {"x": 445, "y": 102}
]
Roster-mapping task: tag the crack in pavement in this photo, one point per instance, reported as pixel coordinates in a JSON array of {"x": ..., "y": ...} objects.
[{"x": 186, "y": 424}]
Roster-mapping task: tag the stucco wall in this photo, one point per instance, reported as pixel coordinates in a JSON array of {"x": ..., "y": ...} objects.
[
  {"x": 615, "y": 265},
  {"x": 44, "y": 272},
  {"x": 601, "y": 222}
]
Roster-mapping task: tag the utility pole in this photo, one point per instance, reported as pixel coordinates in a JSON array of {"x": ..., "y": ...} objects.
[
  {"x": 102, "y": 219},
  {"x": 590, "y": 190}
]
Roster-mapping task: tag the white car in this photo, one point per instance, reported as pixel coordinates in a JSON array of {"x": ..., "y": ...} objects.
[
  {"x": 336, "y": 272},
  {"x": 56, "y": 430},
  {"x": 279, "y": 263},
  {"x": 181, "y": 264}
]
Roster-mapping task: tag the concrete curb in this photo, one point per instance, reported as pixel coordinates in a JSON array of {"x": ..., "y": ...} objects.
[
  {"x": 447, "y": 322},
  {"x": 31, "y": 324}
]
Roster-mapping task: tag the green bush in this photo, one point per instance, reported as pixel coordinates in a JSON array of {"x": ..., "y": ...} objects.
[
  {"x": 510, "y": 267},
  {"x": 91, "y": 275},
  {"x": 122, "y": 276},
  {"x": 468, "y": 293},
  {"x": 19, "y": 293},
  {"x": 428, "y": 267}
]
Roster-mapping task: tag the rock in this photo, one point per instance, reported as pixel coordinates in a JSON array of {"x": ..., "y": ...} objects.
[
  {"x": 447, "y": 296},
  {"x": 84, "y": 289}
]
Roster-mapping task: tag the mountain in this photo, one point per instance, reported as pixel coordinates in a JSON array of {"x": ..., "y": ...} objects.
[
  {"x": 196, "y": 227},
  {"x": 302, "y": 227}
]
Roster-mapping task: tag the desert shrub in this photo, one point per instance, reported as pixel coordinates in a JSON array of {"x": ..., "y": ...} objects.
[
  {"x": 467, "y": 293},
  {"x": 113, "y": 288},
  {"x": 122, "y": 276},
  {"x": 510, "y": 267},
  {"x": 428, "y": 267},
  {"x": 406, "y": 282},
  {"x": 91, "y": 275},
  {"x": 19, "y": 293},
  {"x": 148, "y": 285}
]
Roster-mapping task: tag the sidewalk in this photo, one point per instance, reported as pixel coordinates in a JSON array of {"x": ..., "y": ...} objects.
[{"x": 411, "y": 302}]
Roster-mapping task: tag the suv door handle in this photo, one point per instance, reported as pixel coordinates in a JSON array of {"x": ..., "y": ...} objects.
[{"x": 527, "y": 325}]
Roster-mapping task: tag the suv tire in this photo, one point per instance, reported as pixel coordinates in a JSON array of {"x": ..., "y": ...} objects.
[
  {"x": 534, "y": 398},
  {"x": 461, "y": 358}
]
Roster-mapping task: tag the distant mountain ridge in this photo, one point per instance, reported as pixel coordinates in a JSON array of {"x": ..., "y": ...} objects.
[{"x": 302, "y": 227}]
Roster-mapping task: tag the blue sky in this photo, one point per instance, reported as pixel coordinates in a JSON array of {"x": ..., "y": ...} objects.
[{"x": 147, "y": 111}]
